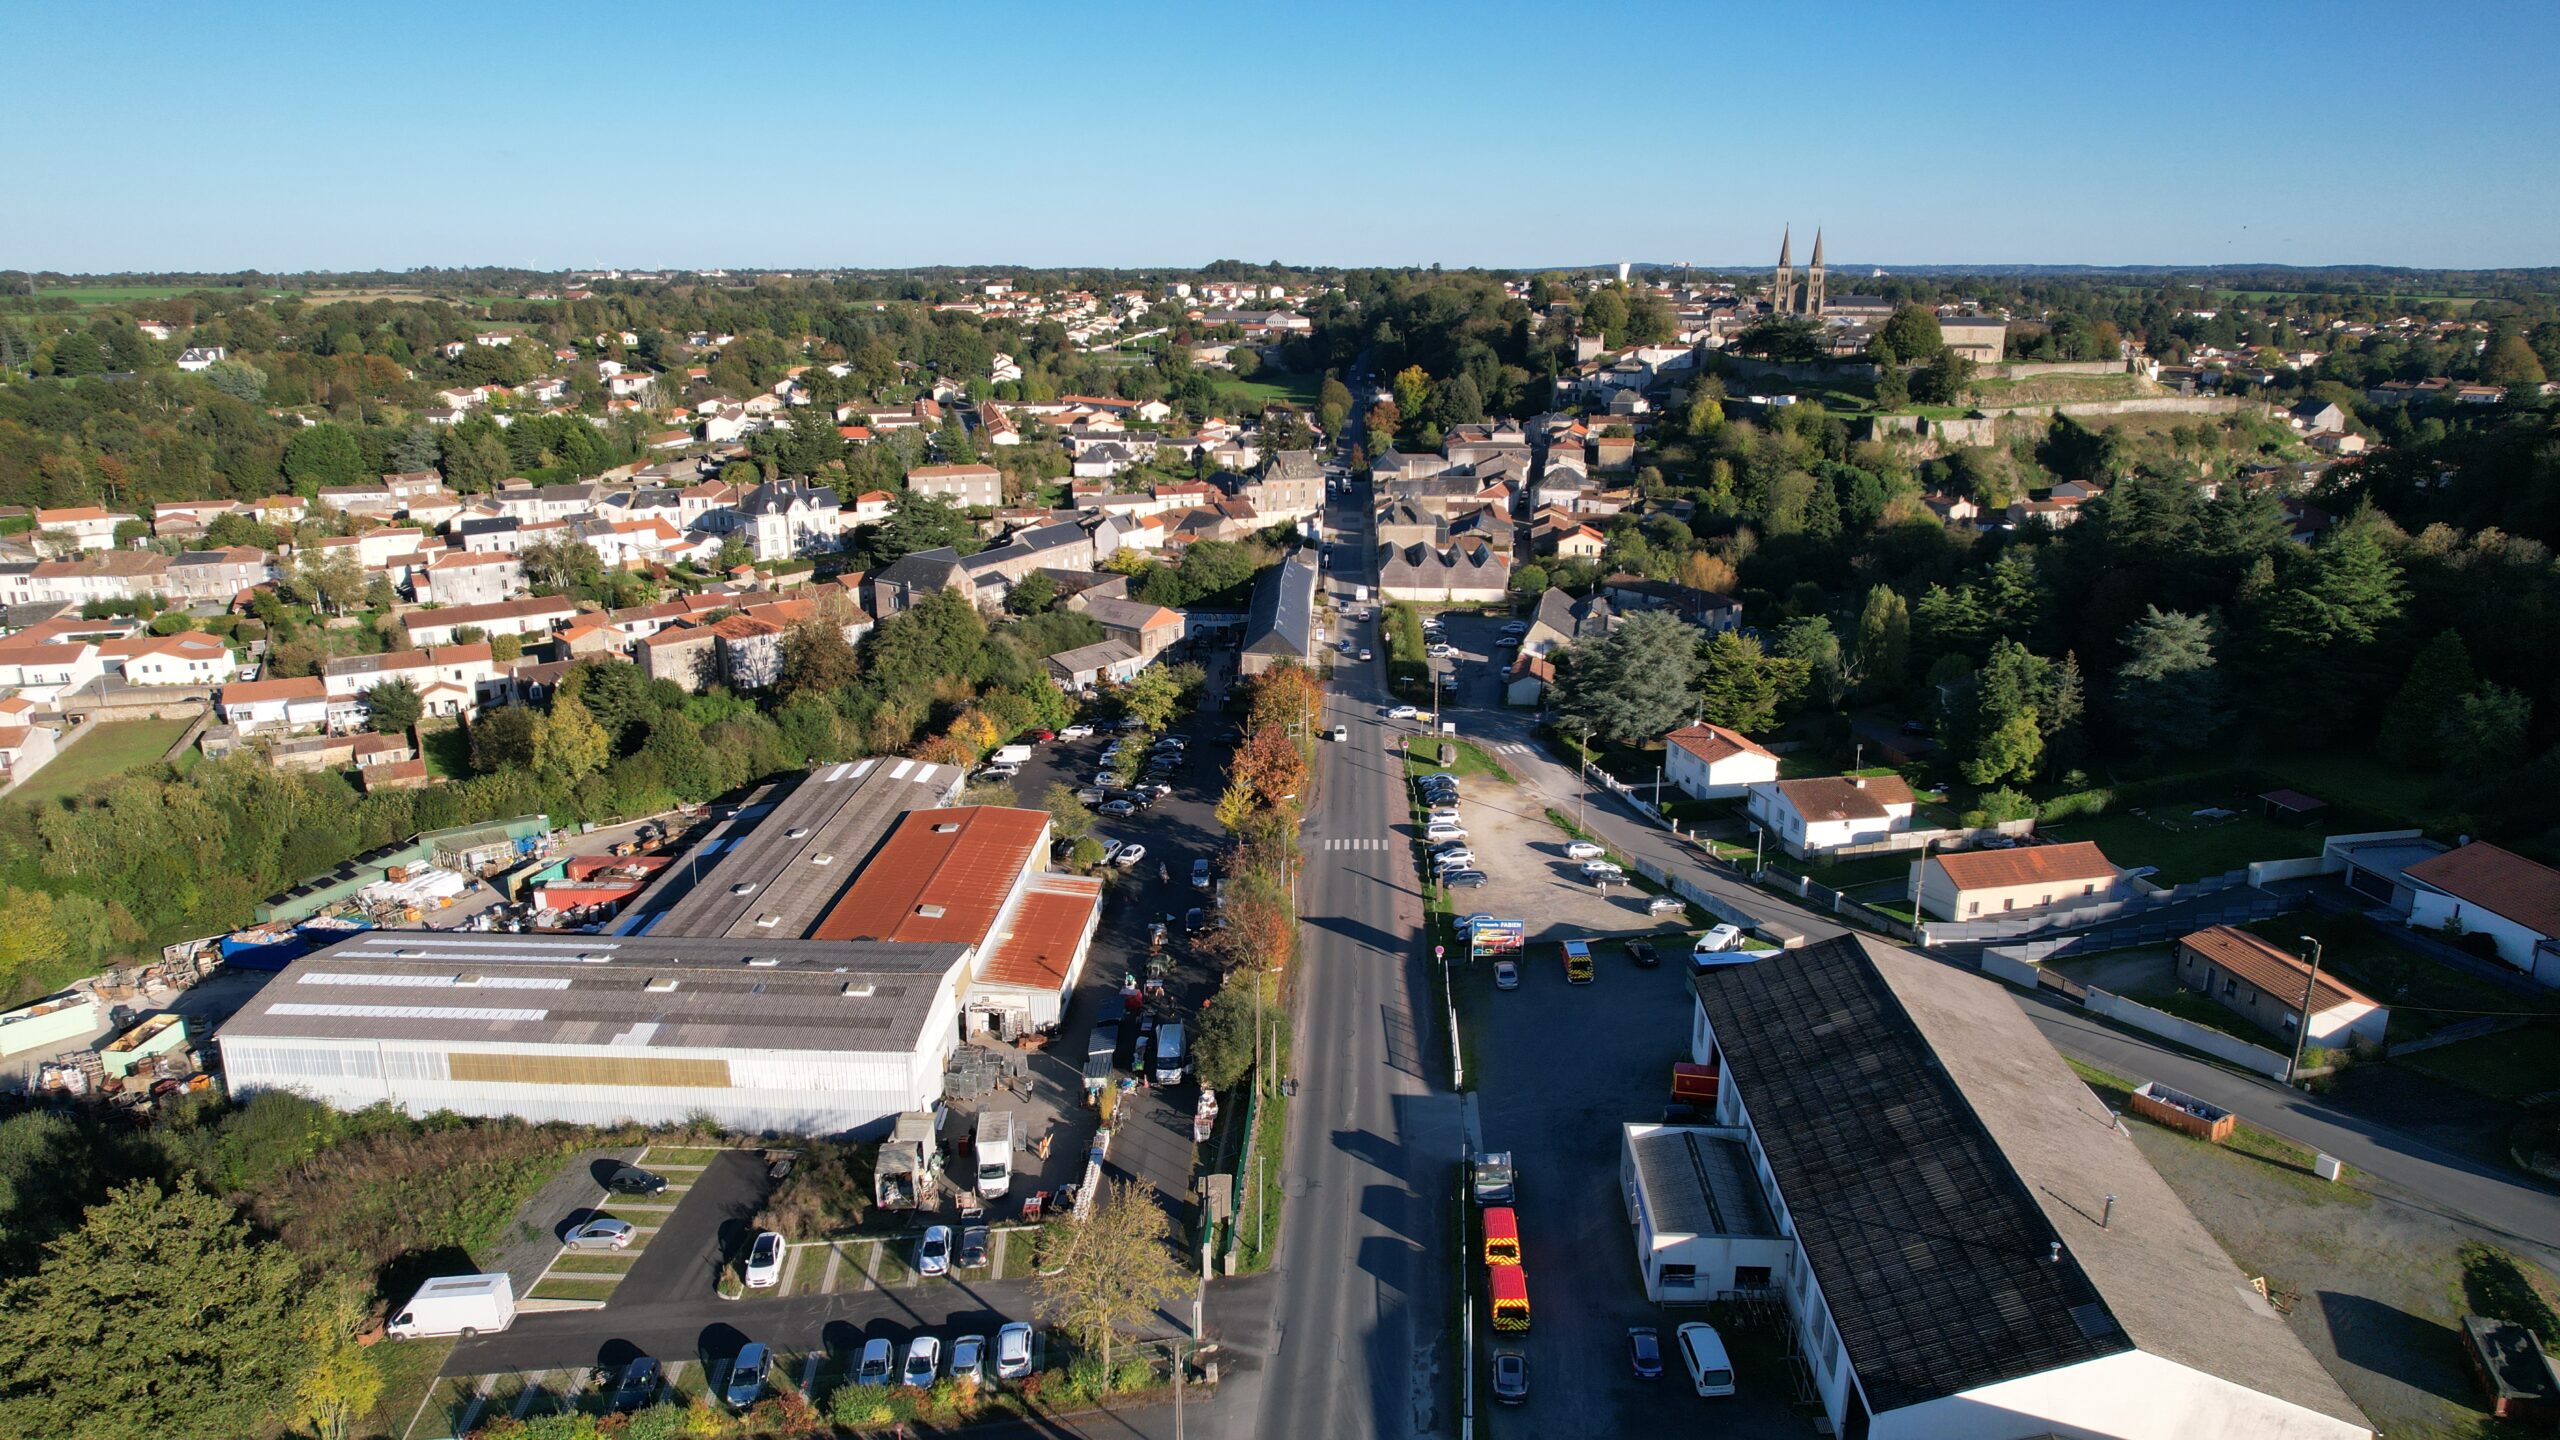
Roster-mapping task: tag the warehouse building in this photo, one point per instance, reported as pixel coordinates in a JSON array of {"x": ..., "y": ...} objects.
[
  {"x": 1974, "y": 1249},
  {"x": 795, "y": 1036}
]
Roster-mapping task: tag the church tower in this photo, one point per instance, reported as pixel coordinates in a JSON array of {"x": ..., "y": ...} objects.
[
  {"x": 1813, "y": 278},
  {"x": 1782, "y": 290}
]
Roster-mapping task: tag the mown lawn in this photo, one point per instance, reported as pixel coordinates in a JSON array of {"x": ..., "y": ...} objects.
[
  {"x": 104, "y": 750},
  {"x": 1286, "y": 386},
  {"x": 1424, "y": 760},
  {"x": 2181, "y": 847},
  {"x": 2509, "y": 1065}
]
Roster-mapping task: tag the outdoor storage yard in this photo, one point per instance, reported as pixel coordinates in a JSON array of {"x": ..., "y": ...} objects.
[
  {"x": 1528, "y": 874},
  {"x": 2373, "y": 1282}
]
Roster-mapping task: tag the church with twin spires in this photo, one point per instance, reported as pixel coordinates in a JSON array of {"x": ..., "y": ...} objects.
[{"x": 1789, "y": 295}]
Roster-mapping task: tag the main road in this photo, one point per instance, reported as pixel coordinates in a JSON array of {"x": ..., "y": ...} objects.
[{"x": 1356, "y": 1325}]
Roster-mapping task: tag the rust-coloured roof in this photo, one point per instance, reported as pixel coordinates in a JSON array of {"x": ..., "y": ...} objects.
[
  {"x": 244, "y": 692},
  {"x": 1712, "y": 743},
  {"x": 2499, "y": 881},
  {"x": 2270, "y": 969},
  {"x": 1039, "y": 947},
  {"x": 1841, "y": 797},
  {"x": 2026, "y": 865},
  {"x": 940, "y": 876}
]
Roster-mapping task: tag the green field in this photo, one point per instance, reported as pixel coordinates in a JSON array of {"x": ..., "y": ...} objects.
[
  {"x": 117, "y": 747},
  {"x": 1289, "y": 386},
  {"x": 116, "y": 294},
  {"x": 2184, "y": 849}
]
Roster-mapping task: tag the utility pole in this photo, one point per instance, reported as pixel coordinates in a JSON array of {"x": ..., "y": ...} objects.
[{"x": 2302, "y": 1031}]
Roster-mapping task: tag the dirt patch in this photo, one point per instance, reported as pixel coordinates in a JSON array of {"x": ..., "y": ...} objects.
[{"x": 2375, "y": 1283}]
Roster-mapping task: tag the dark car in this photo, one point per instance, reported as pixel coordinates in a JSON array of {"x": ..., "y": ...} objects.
[
  {"x": 779, "y": 1162},
  {"x": 1676, "y": 1113},
  {"x": 638, "y": 1385},
  {"x": 1466, "y": 879},
  {"x": 1642, "y": 952},
  {"x": 1644, "y": 1352},
  {"x": 1511, "y": 1377},
  {"x": 632, "y": 1180},
  {"x": 973, "y": 1248},
  {"x": 1915, "y": 727},
  {"x": 1194, "y": 921}
]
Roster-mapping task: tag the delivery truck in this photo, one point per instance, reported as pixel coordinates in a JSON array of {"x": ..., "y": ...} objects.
[
  {"x": 995, "y": 1154},
  {"x": 464, "y": 1305},
  {"x": 1010, "y": 755}
]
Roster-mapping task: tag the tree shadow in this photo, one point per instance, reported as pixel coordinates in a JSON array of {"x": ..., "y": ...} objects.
[{"x": 2420, "y": 1353}]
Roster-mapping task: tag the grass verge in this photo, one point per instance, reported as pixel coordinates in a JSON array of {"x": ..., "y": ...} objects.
[
  {"x": 1258, "y": 1222},
  {"x": 555, "y": 1287}
]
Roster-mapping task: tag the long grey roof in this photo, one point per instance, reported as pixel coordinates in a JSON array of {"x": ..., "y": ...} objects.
[
  {"x": 1283, "y": 619},
  {"x": 647, "y": 995}
]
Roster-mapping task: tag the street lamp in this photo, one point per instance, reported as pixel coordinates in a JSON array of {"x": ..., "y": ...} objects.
[{"x": 2302, "y": 1031}]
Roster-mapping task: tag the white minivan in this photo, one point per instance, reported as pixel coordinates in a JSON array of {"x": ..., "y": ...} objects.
[{"x": 1702, "y": 1350}]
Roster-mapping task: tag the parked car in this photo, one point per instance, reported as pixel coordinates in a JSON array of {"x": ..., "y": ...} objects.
[
  {"x": 878, "y": 1356},
  {"x": 924, "y": 1363},
  {"x": 1043, "y": 736},
  {"x": 1129, "y": 854},
  {"x": 1077, "y": 731},
  {"x": 1341, "y": 734},
  {"x": 1466, "y": 879},
  {"x": 1643, "y": 953},
  {"x": 746, "y": 1378},
  {"x": 1174, "y": 742},
  {"x": 1013, "y": 1351},
  {"x": 933, "y": 1253},
  {"x": 1365, "y": 653},
  {"x": 1117, "y": 809},
  {"x": 1722, "y": 937},
  {"x": 1602, "y": 870},
  {"x": 1584, "y": 850},
  {"x": 1644, "y": 1352},
  {"x": 600, "y": 1235},
  {"x": 1461, "y": 858},
  {"x": 998, "y": 772},
  {"x": 778, "y": 1163},
  {"x": 1506, "y": 975},
  {"x": 1510, "y": 1377},
  {"x": 638, "y": 1386},
  {"x": 764, "y": 1261},
  {"x": 1200, "y": 873},
  {"x": 1444, "y": 652},
  {"x": 973, "y": 1240},
  {"x": 632, "y": 1180},
  {"x": 1664, "y": 905},
  {"x": 969, "y": 1360}
]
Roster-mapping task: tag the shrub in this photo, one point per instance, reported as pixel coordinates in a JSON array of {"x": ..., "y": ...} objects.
[
  {"x": 2005, "y": 804},
  {"x": 858, "y": 1407},
  {"x": 2084, "y": 802},
  {"x": 1135, "y": 1374},
  {"x": 661, "y": 1421}
]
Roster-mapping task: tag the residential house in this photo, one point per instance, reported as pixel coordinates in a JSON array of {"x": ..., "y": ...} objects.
[
  {"x": 217, "y": 576},
  {"x": 687, "y": 655},
  {"x": 1980, "y": 884},
  {"x": 45, "y": 672},
  {"x": 187, "y": 658},
  {"x": 2317, "y": 417},
  {"x": 871, "y": 507},
  {"x": 2268, "y": 987},
  {"x": 1569, "y": 540},
  {"x": 906, "y": 581},
  {"x": 1710, "y": 762},
  {"x": 750, "y": 651},
  {"x": 1819, "y": 815},
  {"x": 1982, "y": 339},
  {"x": 2481, "y": 889},
  {"x": 534, "y": 615},
  {"x": 1706, "y": 609},
  {"x": 1530, "y": 677},
  {"x": 371, "y": 501},
  {"x": 24, "y": 750},
  {"x": 87, "y": 527},
  {"x": 186, "y": 519},
  {"x": 1416, "y": 572},
  {"x": 1561, "y": 620},
  {"x": 1290, "y": 487},
  {"x": 108, "y": 575},
  {"x": 200, "y": 357},
  {"x": 967, "y": 486},
  {"x": 1089, "y": 666},
  {"x": 255, "y": 706},
  {"x": 1281, "y": 626},
  {"x": 463, "y": 577},
  {"x": 1147, "y": 629}
]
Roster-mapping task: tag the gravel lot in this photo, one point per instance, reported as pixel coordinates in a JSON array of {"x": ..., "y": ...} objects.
[{"x": 1523, "y": 853}]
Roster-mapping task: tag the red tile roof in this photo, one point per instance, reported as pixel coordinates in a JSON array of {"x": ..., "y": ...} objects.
[
  {"x": 941, "y": 875},
  {"x": 2499, "y": 881},
  {"x": 2026, "y": 865},
  {"x": 1712, "y": 743},
  {"x": 1041, "y": 944},
  {"x": 1841, "y": 797},
  {"x": 244, "y": 692},
  {"x": 2270, "y": 969}
]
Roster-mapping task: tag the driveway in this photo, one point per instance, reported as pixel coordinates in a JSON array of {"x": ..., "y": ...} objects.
[{"x": 682, "y": 1261}]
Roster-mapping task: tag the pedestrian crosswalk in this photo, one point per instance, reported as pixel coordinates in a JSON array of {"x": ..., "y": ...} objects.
[
  {"x": 1511, "y": 749},
  {"x": 1355, "y": 843}
]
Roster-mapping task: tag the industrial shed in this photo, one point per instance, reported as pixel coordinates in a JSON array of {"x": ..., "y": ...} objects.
[{"x": 796, "y": 1036}]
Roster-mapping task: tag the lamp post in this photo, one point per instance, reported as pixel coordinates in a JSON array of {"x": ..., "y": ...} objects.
[{"x": 2302, "y": 1031}]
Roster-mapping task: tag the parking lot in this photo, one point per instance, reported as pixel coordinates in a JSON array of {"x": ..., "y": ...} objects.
[{"x": 1530, "y": 877}]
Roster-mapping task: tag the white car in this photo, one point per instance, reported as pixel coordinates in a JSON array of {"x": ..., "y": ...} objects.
[
  {"x": 1458, "y": 859},
  {"x": 1444, "y": 652},
  {"x": 924, "y": 1363},
  {"x": 969, "y": 1360},
  {"x": 1077, "y": 731},
  {"x": 1403, "y": 712},
  {"x": 873, "y": 1368},
  {"x": 933, "y": 1253},
  {"x": 764, "y": 1261},
  {"x": 1444, "y": 831},
  {"x": 1129, "y": 854},
  {"x": 1719, "y": 940},
  {"x": 1600, "y": 869},
  {"x": 1445, "y": 812},
  {"x": 1341, "y": 734},
  {"x": 1013, "y": 1351},
  {"x": 1584, "y": 850},
  {"x": 600, "y": 1235}
]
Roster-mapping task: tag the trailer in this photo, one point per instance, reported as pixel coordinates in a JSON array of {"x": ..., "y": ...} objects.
[{"x": 463, "y": 1305}]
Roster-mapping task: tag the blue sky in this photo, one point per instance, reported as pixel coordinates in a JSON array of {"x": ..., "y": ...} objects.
[{"x": 339, "y": 136}]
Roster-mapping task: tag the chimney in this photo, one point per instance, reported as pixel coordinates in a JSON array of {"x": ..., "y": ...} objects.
[
  {"x": 2054, "y": 1255},
  {"x": 1858, "y": 780}
]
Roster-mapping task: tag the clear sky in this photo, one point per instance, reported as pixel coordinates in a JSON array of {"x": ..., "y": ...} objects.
[{"x": 363, "y": 135}]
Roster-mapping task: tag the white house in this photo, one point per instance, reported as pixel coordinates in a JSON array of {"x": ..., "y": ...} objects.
[
  {"x": 1979, "y": 884},
  {"x": 2483, "y": 890},
  {"x": 2267, "y": 987},
  {"x": 1710, "y": 762},
  {"x": 186, "y": 658},
  {"x": 1813, "y": 817},
  {"x": 91, "y": 527},
  {"x": 200, "y": 357},
  {"x": 46, "y": 672},
  {"x": 251, "y": 706}
]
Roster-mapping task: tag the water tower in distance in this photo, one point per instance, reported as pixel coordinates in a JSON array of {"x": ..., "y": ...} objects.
[{"x": 1624, "y": 266}]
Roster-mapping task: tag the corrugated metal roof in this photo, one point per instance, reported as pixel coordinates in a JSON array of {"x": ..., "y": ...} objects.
[
  {"x": 942, "y": 875},
  {"x": 1039, "y": 948}
]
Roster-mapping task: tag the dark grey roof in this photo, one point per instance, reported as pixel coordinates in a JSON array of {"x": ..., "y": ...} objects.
[
  {"x": 1293, "y": 465},
  {"x": 1406, "y": 564},
  {"x": 1938, "y": 1266},
  {"x": 927, "y": 568},
  {"x": 488, "y": 525},
  {"x": 843, "y": 811},
  {"x": 1284, "y": 603},
  {"x": 1571, "y": 618},
  {"x": 775, "y": 496},
  {"x": 1099, "y": 656},
  {"x": 652, "y": 996}
]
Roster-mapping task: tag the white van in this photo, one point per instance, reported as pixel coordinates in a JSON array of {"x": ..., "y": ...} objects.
[
  {"x": 1171, "y": 1059},
  {"x": 1702, "y": 1350}
]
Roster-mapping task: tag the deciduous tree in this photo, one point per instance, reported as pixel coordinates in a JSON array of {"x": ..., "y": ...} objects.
[
  {"x": 1110, "y": 1272},
  {"x": 392, "y": 707}
]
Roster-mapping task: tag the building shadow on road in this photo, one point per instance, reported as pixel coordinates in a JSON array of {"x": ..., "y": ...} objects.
[{"x": 2420, "y": 1353}]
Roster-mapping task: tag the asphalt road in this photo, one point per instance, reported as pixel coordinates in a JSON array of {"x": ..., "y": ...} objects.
[
  {"x": 1360, "y": 1338},
  {"x": 682, "y": 1261}
]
